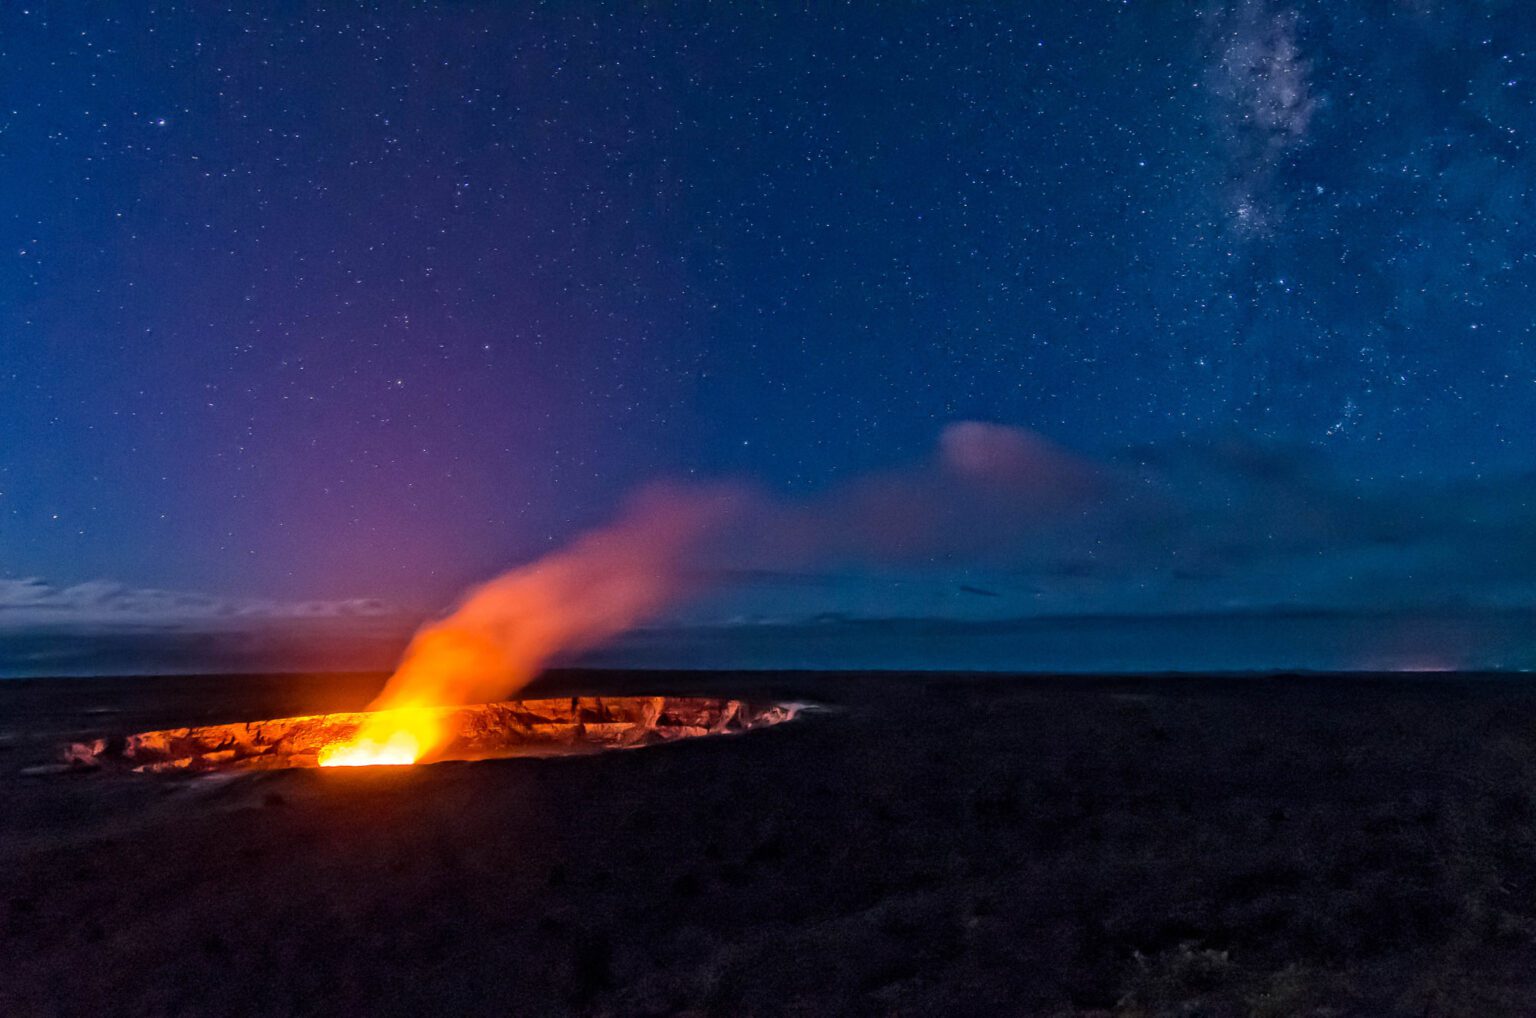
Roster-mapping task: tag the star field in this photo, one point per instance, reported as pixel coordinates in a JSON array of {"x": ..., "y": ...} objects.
[{"x": 325, "y": 302}]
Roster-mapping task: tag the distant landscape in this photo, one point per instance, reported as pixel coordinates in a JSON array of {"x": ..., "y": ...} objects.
[{"x": 1257, "y": 642}]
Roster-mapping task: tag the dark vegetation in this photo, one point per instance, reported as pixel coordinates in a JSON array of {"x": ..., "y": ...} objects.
[{"x": 935, "y": 845}]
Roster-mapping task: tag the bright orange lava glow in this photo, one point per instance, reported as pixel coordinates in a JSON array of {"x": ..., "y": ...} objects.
[{"x": 388, "y": 738}]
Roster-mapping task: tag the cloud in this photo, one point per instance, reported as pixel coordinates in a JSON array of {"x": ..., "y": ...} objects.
[
  {"x": 104, "y": 627},
  {"x": 32, "y": 601},
  {"x": 1197, "y": 528}
]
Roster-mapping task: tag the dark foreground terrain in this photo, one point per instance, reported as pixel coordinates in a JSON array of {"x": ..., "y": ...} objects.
[{"x": 935, "y": 845}]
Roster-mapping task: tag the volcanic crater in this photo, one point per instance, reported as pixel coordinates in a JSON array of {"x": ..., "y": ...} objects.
[{"x": 538, "y": 727}]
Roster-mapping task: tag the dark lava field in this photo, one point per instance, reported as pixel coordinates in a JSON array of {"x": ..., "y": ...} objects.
[{"x": 927, "y": 844}]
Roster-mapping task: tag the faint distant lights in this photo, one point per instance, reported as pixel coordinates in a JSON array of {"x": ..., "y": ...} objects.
[{"x": 1426, "y": 665}]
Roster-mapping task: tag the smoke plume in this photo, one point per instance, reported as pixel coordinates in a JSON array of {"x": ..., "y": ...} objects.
[
  {"x": 603, "y": 583},
  {"x": 986, "y": 487}
]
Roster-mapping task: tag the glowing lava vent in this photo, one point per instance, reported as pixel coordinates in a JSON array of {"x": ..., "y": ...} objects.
[
  {"x": 429, "y": 734},
  {"x": 387, "y": 737}
]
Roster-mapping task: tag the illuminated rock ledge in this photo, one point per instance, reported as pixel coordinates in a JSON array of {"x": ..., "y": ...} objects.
[{"x": 477, "y": 732}]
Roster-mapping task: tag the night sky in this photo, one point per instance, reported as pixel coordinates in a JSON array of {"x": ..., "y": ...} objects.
[{"x": 299, "y": 305}]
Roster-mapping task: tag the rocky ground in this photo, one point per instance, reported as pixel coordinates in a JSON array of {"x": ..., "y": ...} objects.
[{"x": 932, "y": 845}]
